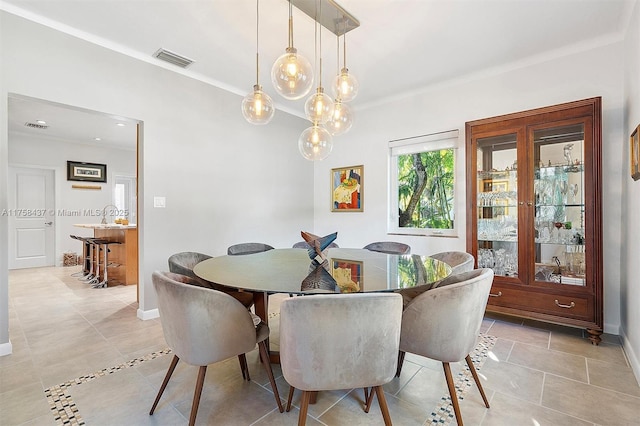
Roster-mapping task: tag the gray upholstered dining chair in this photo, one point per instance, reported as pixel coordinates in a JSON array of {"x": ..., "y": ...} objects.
[
  {"x": 182, "y": 263},
  {"x": 340, "y": 341},
  {"x": 202, "y": 283},
  {"x": 305, "y": 245},
  {"x": 389, "y": 247},
  {"x": 443, "y": 324},
  {"x": 247, "y": 248},
  {"x": 459, "y": 261},
  {"x": 203, "y": 326}
]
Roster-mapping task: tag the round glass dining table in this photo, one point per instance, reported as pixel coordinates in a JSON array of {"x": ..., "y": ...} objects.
[{"x": 345, "y": 270}]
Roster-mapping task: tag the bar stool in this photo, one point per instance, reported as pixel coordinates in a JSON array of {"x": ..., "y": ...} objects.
[
  {"x": 90, "y": 266},
  {"x": 104, "y": 247},
  {"x": 85, "y": 263}
]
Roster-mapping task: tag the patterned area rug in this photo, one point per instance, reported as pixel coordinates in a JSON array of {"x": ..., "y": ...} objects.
[
  {"x": 443, "y": 413},
  {"x": 66, "y": 412}
]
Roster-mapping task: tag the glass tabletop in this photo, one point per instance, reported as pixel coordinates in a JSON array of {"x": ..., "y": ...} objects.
[{"x": 344, "y": 271}]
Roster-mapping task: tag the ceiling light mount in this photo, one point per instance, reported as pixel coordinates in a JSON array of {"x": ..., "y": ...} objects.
[{"x": 329, "y": 14}]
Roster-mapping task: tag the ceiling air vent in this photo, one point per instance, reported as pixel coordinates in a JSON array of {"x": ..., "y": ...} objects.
[
  {"x": 172, "y": 58},
  {"x": 36, "y": 125}
]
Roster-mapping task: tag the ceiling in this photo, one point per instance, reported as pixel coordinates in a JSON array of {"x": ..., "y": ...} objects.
[{"x": 400, "y": 47}]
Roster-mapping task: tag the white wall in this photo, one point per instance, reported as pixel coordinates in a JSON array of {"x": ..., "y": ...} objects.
[
  {"x": 25, "y": 150},
  {"x": 630, "y": 226},
  {"x": 225, "y": 181},
  {"x": 597, "y": 72}
]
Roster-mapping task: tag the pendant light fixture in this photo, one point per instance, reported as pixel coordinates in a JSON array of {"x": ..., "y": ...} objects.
[
  {"x": 319, "y": 107},
  {"x": 315, "y": 143},
  {"x": 291, "y": 74},
  {"x": 345, "y": 85},
  {"x": 257, "y": 107},
  {"x": 342, "y": 118}
]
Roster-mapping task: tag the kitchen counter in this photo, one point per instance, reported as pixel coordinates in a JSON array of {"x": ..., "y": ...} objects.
[
  {"x": 105, "y": 226},
  {"x": 123, "y": 257}
]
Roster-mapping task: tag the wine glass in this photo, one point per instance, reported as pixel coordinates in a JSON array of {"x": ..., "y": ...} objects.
[
  {"x": 558, "y": 225},
  {"x": 574, "y": 191}
]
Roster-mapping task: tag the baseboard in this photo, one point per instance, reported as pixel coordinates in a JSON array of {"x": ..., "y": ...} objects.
[
  {"x": 612, "y": 329},
  {"x": 6, "y": 348},
  {"x": 632, "y": 357},
  {"x": 147, "y": 315}
]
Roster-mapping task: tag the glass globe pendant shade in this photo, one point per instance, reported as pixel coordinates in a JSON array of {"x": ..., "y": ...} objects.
[
  {"x": 292, "y": 75},
  {"x": 341, "y": 120},
  {"x": 345, "y": 86},
  {"x": 319, "y": 107},
  {"x": 315, "y": 143},
  {"x": 257, "y": 107}
]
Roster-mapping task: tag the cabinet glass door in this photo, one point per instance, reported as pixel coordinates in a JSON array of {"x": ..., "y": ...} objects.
[
  {"x": 559, "y": 218},
  {"x": 497, "y": 204}
]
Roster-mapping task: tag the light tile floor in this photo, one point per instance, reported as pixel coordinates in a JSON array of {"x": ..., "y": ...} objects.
[{"x": 61, "y": 330}]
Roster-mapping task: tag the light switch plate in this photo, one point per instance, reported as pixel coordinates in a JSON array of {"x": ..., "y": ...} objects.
[{"x": 159, "y": 202}]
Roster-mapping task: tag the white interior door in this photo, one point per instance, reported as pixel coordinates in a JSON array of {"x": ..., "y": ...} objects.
[{"x": 31, "y": 218}]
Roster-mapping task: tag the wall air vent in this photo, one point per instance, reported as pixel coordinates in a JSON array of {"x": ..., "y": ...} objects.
[
  {"x": 172, "y": 58},
  {"x": 36, "y": 125}
]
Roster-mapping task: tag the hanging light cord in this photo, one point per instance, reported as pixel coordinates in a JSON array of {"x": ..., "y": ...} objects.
[
  {"x": 344, "y": 49},
  {"x": 320, "y": 69},
  {"x": 257, "y": 42},
  {"x": 290, "y": 25}
]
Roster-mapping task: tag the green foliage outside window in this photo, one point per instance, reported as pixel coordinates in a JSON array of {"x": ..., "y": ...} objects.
[{"x": 425, "y": 189}]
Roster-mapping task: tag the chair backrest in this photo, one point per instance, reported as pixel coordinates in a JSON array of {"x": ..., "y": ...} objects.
[
  {"x": 443, "y": 323},
  {"x": 200, "y": 325},
  {"x": 305, "y": 245},
  {"x": 247, "y": 248},
  {"x": 459, "y": 261},
  {"x": 339, "y": 341},
  {"x": 182, "y": 263},
  {"x": 389, "y": 247}
]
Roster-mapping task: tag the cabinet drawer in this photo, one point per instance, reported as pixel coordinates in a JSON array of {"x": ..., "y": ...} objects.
[{"x": 533, "y": 301}]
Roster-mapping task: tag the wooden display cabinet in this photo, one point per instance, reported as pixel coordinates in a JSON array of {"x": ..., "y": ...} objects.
[{"x": 534, "y": 185}]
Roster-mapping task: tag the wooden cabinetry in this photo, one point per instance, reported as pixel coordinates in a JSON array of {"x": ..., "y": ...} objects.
[
  {"x": 124, "y": 256},
  {"x": 534, "y": 191}
]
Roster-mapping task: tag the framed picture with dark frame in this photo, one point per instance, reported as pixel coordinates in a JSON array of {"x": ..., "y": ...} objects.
[
  {"x": 634, "y": 153},
  {"x": 346, "y": 189},
  {"x": 88, "y": 172}
]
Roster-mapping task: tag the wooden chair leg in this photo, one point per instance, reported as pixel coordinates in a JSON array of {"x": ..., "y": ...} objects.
[
  {"x": 368, "y": 400},
  {"x": 383, "y": 405},
  {"x": 477, "y": 379},
  {"x": 304, "y": 406},
  {"x": 167, "y": 376},
  {"x": 242, "y": 359},
  {"x": 452, "y": 392},
  {"x": 196, "y": 395},
  {"x": 264, "y": 357},
  {"x": 368, "y": 397},
  {"x": 400, "y": 362},
  {"x": 290, "y": 398}
]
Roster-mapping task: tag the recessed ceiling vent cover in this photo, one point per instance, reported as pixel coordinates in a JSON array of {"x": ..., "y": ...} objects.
[
  {"x": 172, "y": 58},
  {"x": 36, "y": 125}
]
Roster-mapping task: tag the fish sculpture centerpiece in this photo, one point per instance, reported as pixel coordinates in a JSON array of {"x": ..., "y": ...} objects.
[{"x": 318, "y": 245}]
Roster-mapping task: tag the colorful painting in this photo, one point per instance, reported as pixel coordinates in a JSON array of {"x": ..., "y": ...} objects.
[
  {"x": 346, "y": 189},
  {"x": 348, "y": 274}
]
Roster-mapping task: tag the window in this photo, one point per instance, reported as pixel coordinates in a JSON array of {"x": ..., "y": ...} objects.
[
  {"x": 422, "y": 187},
  {"x": 124, "y": 196}
]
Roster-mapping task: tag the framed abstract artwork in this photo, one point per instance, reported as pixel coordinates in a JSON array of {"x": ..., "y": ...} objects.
[{"x": 346, "y": 189}]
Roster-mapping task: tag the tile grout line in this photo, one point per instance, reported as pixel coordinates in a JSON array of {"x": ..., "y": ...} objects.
[{"x": 64, "y": 409}]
